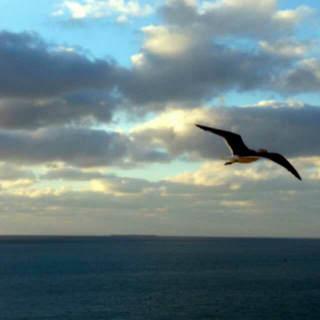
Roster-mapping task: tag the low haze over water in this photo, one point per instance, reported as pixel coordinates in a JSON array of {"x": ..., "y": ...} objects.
[{"x": 158, "y": 278}]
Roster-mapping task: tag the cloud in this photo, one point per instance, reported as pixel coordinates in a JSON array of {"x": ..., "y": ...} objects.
[
  {"x": 237, "y": 203},
  {"x": 249, "y": 18},
  {"x": 164, "y": 207},
  {"x": 53, "y": 96},
  {"x": 10, "y": 173},
  {"x": 175, "y": 65},
  {"x": 287, "y": 47},
  {"x": 214, "y": 173},
  {"x": 160, "y": 76},
  {"x": 294, "y": 17},
  {"x": 188, "y": 60},
  {"x": 305, "y": 77},
  {"x": 25, "y": 56},
  {"x": 98, "y": 9},
  {"x": 80, "y": 147},
  {"x": 72, "y": 174},
  {"x": 13, "y": 178},
  {"x": 174, "y": 70},
  {"x": 160, "y": 40},
  {"x": 83, "y": 107},
  {"x": 125, "y": 186},
  {"x": 280, "y": 127},
  {"x": 286, "y": 128},
  {"x": 44, "y": 86},
  {"x": 20, "y": 183}
]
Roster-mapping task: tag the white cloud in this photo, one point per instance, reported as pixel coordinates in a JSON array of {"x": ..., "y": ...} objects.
[
  {"x": 122, "y": 19},
  {"x": 294, "y": 16},
  {"x": 178, "y": 120},
  {"x": 210, "y": 174},
  {"x": 78, "y": 11},
  {"x": 66, "y": 49},
  {"x": 163, "y": 41},
  {"x": 127, "y": 187},
  {"x": 138, "y": 60},
  {"x": 214, "y": 173},
  {"x": 20, "y": 183},
  {"x": 273, "y": 104},
  {"x": 58, "y": 13},
  {"x": 164, "y": 207},
  {"x": 240, "y": 203},
  {"x": 41, "y": 192},
  {"x": 98, "y": 9},
  {"x": 285, "y": 47}
]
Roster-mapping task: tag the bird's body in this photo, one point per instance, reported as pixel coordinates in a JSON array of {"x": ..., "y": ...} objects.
[
  {"x": 242, "y": 154},
  {"x": 234, "y": 159}
]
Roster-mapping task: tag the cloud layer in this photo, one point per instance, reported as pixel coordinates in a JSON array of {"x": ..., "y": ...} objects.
[{"x": 166, "y": 207}]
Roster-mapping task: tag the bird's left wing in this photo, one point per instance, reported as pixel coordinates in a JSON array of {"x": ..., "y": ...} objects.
[{"x": 282, "y": 161}]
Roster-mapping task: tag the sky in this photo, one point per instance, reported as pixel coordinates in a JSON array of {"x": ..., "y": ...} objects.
[{"x": 98, "y": 101}]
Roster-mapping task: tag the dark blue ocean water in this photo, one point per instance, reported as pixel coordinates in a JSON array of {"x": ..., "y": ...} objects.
[{"x": 158, "y": 278}]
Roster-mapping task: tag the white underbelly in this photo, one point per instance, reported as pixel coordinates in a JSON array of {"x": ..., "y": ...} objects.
[{"x": 247, "y": 159}]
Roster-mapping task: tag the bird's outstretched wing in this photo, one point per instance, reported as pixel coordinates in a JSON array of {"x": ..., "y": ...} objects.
[
  {"x": 282, "y": 161},
  {"x": 233, "y": 140}
]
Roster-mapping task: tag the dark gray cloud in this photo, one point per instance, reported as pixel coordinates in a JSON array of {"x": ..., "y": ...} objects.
[
  {"x": 79, "y": 147},
  {"x": 43, "y": 84},
  {"x": 32, "y": 68},
  {"x": 286, "y": 129},
  {"x": 199, "y": 74},
  {"x": 205, "y": 66},
  {"x": 303, "y": 78},
  {"x": 84, "y": 107},
  {"x": 247, "y": 19},
  {"x": 75, "y": 146}
]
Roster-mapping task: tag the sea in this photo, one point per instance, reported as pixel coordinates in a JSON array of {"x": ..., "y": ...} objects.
[{"x": 158, "y": 278}]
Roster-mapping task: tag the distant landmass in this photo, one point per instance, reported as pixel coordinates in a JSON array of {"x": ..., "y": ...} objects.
[{"x": 139, "y": 236}]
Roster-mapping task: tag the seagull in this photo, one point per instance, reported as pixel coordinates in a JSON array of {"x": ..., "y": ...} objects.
[{"x": 242, "y": 154}]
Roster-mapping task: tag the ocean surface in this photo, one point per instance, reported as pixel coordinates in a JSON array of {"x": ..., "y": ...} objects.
[{"x": 158, "y": 278}]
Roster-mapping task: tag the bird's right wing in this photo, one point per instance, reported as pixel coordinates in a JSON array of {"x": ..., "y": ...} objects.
[
  {"x": 282, "y": 161},
  {"x": 233, "y": 140}
]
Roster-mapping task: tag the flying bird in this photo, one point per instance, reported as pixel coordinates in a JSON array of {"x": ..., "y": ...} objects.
[{"x": 242, "y": 154}]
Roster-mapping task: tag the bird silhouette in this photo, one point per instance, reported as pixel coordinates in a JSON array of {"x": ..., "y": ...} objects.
[{"x": 242, "y": 154}]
